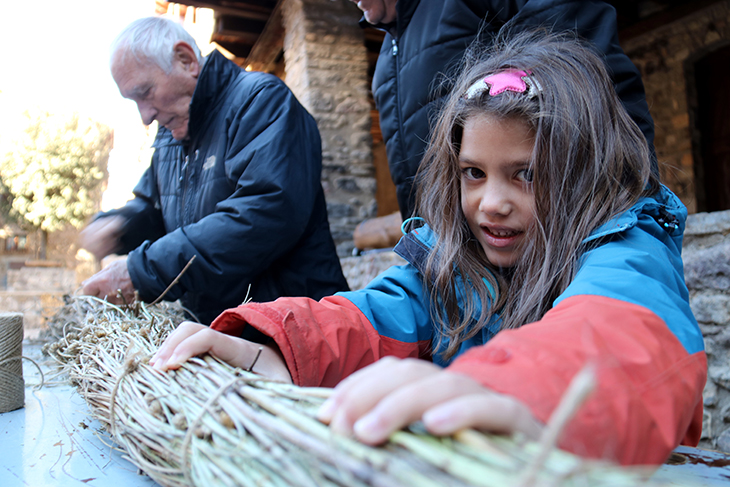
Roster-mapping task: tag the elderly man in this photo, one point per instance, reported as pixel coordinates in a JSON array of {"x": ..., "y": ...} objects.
[
  {"x": 234, "y": 182},
  {"x": 427, "y": 38}
]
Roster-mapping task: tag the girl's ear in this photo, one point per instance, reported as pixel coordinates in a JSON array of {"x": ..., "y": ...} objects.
[{"x": 185, "y": 55}]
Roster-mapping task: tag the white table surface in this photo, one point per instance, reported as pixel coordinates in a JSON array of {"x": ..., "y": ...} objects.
[{"x": 53, "y": 441}]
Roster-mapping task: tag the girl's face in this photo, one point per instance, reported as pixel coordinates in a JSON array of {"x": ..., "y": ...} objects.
[{"x": 496, "y": 185}]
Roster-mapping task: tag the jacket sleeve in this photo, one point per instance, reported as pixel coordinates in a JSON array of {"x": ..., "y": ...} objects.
[
  {"x": 273, "y": 160},
  {"x": 626, "y": 312},
  {"x": 325, "y": 341},
  {"x": 142, "y": 215}
]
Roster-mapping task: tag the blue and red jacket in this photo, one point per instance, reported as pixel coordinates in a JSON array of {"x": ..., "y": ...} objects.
[{"x": 626, "y": 311}]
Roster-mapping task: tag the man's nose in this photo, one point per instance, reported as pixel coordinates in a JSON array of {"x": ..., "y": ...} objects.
[{"x": 147, "y": 112}]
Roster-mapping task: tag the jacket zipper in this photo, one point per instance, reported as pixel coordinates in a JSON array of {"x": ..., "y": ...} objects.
[
  {"x": 184, "y": 180},
  {"x": 401, "y": 132}
]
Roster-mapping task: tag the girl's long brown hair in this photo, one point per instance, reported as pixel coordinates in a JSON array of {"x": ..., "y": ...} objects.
[{"x": 590, "y": 162}]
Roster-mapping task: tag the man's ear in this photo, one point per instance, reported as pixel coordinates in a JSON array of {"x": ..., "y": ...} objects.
[{"x": 185, "y": 55}]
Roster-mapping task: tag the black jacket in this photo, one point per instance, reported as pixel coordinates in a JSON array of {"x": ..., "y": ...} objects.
[
  {"x": 431, "y": 36},
  {"x": 242, "y": 193}
]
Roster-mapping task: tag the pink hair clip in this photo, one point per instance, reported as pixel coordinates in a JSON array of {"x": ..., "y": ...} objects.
[{"x": 513, "y": 80}]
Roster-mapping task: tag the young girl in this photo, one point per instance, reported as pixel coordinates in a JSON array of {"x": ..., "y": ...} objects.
[{"x": 547, "y": 244}]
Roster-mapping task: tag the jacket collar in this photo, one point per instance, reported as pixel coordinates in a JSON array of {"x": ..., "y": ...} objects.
[
  {"x": 664, "y": 207},
  {"x": 215, "y": 78},
  {"x": 405, "y": 9}
]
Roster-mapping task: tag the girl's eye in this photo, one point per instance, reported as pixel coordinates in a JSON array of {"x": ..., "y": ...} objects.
[
  {"x": 525, "y": 175},
  {"x": 472, "y": 173}
]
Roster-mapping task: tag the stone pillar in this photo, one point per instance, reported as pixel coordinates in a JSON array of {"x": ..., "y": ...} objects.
[{"x": 326, "y": 68}]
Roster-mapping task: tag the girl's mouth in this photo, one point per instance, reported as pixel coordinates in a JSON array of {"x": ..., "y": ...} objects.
[{"x": 500, "y": 237}]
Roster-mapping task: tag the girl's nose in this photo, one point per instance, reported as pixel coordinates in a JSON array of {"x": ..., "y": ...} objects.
[{"x": 495, "y": 200}]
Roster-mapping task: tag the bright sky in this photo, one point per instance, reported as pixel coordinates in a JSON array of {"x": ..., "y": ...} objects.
[{"x": 56, "y": 57}]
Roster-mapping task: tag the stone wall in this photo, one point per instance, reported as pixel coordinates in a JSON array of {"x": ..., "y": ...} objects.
[
  {"x": 326, "y": 68},
  {"x": 35, "y": 306},
  {"x": 62, "y": 246},
  {"x": 662, "y": 55},
  {"x": 32, "y": 278},
  {"x": 706, "y": 254},
  {"x": 360, "y": 270},
  {"x": 36, "y": 291}
]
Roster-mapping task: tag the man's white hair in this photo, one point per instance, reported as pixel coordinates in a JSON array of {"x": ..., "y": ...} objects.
[{"x": 152, "y": 39}]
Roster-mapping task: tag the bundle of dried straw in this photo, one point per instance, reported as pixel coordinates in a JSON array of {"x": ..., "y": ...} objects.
[{"x": 209, "y": 424}]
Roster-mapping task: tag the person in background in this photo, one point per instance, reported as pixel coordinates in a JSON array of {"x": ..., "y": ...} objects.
[
  {"x": 234, "y": 182},
  {"x": 547, "y": 247},
  {"x": 425, "y": 39}
]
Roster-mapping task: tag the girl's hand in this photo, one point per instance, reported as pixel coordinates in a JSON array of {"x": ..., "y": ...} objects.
[
  {"x": 384, "y": 397},
  {"x": 192, "y": 339}
]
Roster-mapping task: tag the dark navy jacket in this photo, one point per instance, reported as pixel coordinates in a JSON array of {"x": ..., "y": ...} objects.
[
  {"x": 430, "y": 37},
  {"x": 242, "y": 193}
]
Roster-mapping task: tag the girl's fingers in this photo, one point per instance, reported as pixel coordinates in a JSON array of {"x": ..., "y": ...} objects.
[
  {"x": 232, "y": 350},
  {"x": 183, "y": 331},
  {"x": 355, "y": 380},
  {"x": 486, "y": 411},
  {"x": 192, "y": 339},
  {"x": 408, "y": 404},
  {"x": 361, "y": 391},
  {"x": 229, "y": 349},
  {"x": 342, "y": 390},
  {"x": 392, "y": 393}
]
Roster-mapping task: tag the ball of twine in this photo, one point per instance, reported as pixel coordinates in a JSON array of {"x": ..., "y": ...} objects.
[{"x": 12, "y": 386}]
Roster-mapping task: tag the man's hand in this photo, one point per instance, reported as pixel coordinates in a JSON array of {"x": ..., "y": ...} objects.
[
  {"x": 384, "y": 397},
  {"x": 107, "y": 283},
  {"x": 101, "y": 237},
  {"x": 192, "y": 339}
]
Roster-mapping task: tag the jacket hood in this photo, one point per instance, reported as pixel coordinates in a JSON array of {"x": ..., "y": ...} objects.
[{"x": 664, "y": 207}]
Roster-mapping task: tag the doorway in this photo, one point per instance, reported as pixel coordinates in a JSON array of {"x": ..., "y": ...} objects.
[{"x": 711, "y": 144}]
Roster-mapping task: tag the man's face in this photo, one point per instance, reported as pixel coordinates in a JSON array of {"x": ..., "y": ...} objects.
[
  {"x": 160, "y": 96},
  {"x": 378, "y": 11}
]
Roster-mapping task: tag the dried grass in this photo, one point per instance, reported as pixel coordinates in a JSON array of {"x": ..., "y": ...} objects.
[{"x": 209, "y": 424}]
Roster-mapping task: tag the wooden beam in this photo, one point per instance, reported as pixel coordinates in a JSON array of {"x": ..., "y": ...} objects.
[
  {"x": 235, "y": 37},
  {"x": 268, "y": 46},
  {"x": 248, "y": 10}
]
